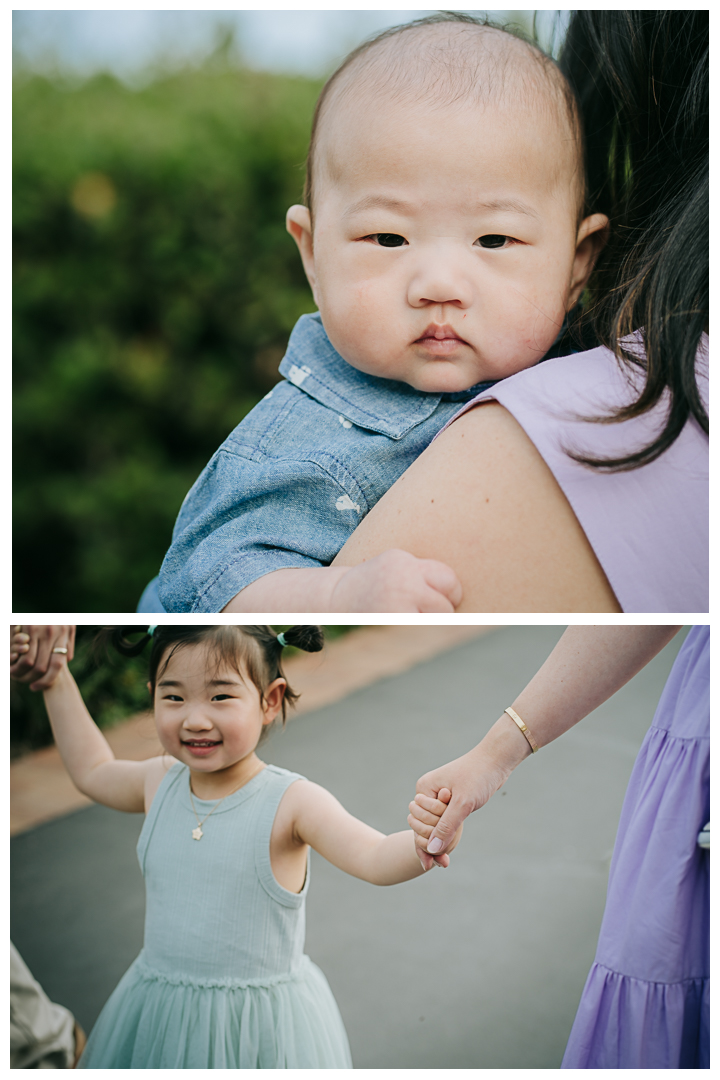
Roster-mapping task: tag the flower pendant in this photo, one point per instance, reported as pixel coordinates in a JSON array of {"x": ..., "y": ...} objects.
[{"x": 197, "y": 833}]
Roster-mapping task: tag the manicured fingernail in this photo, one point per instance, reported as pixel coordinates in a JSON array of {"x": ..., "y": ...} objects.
[{"x": 434, "y": 845}]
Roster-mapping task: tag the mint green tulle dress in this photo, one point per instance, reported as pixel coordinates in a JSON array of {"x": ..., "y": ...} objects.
[{"x": 222, "y": 981}]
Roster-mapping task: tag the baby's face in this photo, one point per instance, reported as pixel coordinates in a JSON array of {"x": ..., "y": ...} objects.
[{"x": 445, "y": 249}]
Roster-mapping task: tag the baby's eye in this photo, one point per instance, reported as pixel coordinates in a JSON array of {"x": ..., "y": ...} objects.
[
  {"x": 493, "y": 240},
  {"x": 387, "y": 239}
]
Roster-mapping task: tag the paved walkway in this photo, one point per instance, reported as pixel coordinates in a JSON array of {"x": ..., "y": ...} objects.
[{"x": 480, "y": 966}]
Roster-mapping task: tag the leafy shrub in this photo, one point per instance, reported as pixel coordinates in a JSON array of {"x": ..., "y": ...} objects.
[{"x": 155, "y": 289}]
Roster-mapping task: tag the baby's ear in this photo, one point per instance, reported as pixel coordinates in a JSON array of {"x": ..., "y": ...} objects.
[
  {"x": 299, "y": 224},
  {"x": 591, "y": 239}
]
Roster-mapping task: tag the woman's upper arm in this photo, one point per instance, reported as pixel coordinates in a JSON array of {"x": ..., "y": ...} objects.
[{"x": 482, "y": 499}]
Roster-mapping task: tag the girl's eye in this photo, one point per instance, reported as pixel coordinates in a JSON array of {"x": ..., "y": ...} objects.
[
  {"x": 493, "y": 240},
  {"x": 388, "y": 239},
  {"x": 221, "y": 697},
  {"x": 171, "y": 697}
]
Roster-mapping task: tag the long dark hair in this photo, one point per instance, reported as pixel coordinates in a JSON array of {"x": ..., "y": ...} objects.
[
  {"x": 252, "y": 650},
  {"x": 641, "y": 80}
]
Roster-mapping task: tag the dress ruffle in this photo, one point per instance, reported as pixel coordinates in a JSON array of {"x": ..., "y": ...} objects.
[
  {"x": 646, "y": 1002},
  {"x": 153, "y": 1021},
  {"x": 626, "y": 1023}
]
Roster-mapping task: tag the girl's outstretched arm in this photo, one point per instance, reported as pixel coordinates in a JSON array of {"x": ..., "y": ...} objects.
[
  {"x": 311, "y": 815},
  {"x": 93, "y": 769}
]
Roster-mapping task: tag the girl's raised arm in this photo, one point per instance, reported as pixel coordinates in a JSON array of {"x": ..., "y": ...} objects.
[
  {"x": 93, "y": 769},
  {"x": 311, "y": 815}
]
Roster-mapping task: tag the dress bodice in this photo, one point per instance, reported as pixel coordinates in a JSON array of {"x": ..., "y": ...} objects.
[{"x": 215, "y": 912}]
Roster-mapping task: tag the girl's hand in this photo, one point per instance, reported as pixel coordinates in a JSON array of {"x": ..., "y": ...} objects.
[
  {"x": 397, "y": 581},
  {"x": 35, "y": 655},
  {"x": 472, "y": 780},
  {"x": 425, "y": 813}
]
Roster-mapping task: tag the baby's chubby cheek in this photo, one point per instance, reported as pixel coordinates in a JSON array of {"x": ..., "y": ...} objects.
[{"x": 358, "y": 326}]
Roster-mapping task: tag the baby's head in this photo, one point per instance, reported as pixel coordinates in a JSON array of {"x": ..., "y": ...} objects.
[
  {"x": 216, "y": 689},
  {"x": 444, "y": 234}
]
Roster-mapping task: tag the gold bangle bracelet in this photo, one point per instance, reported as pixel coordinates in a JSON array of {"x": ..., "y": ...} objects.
[{"x": 524, "y": 728}]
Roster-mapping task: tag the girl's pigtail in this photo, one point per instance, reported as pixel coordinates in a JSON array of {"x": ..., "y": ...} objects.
[
  {"x": 307, "y": 638},
  {"x": 116, "y": 637}
]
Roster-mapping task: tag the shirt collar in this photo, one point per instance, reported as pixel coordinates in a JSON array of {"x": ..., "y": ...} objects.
[{"x": 384, "y": 405}]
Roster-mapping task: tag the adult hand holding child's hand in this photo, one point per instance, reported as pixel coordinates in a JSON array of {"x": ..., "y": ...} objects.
[
  {"x": 464, "y": 785},
  {"x": 37, "y": 653},
  {"x": 425, "y": 814}
]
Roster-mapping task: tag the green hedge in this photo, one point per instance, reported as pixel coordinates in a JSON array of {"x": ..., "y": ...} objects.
[{"x": 155, "y": 288}]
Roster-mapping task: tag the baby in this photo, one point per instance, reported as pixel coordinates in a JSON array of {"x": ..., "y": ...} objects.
[{"x": 444, "y": 240}]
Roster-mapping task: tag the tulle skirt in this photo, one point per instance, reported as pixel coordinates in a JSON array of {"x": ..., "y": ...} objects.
[{"x": 158, "y": 1021}]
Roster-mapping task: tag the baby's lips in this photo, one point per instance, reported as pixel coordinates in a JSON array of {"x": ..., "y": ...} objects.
[{"x": 439, "y": 333}]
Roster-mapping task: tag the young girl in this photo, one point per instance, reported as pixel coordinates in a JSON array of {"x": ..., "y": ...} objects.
[{"x": 222, "y": 980}]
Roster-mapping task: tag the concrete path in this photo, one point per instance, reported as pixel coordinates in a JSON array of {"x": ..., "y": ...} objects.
[{"x": 480, "y": 966}]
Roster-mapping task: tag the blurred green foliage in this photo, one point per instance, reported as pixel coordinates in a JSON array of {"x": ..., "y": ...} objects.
[
  {"x": 113, "y": 688},
  {"x": 155, "y": 289}
]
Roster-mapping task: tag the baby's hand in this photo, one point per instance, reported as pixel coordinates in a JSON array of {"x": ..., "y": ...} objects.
[
  {"x": 397, "y": 581},
  {"x": 424, "y": 815},
  {"x": 37, "y": 653}
]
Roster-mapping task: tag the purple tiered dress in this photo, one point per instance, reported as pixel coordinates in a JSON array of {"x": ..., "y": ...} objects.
[{"x": 646, "y": 1002}]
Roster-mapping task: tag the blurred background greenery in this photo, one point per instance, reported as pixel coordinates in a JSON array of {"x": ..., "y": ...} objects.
[
  {"x": 114, "y": 687},
  {"x": 155, "y": 289}
]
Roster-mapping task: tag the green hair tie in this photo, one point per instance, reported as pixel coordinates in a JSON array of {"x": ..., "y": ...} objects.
[
  {"x": 281, "y": 639},
  {"x": 151, "y": 629}
]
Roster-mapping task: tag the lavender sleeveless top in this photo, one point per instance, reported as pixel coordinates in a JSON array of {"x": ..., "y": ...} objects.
[{"x": 648, "y": 527}]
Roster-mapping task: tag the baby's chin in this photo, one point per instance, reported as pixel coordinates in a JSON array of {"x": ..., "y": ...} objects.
[{"x": 445, "y": 378}]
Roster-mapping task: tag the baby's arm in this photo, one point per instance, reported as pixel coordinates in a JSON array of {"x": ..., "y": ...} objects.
[
  {"x": 93, "y": 769},
  {"x": 319, "y": 820},
  {"x": 393, "y": 581}
]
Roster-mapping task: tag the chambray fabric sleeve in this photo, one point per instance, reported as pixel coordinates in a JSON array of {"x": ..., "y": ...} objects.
[{"x": 250, "y": 513}]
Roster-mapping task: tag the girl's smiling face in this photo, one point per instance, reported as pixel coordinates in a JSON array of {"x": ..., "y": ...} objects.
[{"x": 209, "y": 716}]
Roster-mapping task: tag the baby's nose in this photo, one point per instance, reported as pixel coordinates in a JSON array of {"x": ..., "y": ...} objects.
[{"x": 440, "y": 280}]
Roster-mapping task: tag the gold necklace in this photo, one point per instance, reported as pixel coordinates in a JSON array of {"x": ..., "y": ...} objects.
[{"x": 197, "y": 834}]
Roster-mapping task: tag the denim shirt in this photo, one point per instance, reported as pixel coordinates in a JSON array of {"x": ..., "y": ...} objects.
[{"x": 296, "y": 476}]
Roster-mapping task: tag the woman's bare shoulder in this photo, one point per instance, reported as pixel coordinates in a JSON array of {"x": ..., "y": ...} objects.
[{"x": 482, "y": 499}]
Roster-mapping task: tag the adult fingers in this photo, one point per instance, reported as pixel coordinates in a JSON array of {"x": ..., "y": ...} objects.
[
  {"x": 45, "y": 637},
  {"x": 18, "y": 643},
  {"x": 443, "y": 833},
  {"x": 71, "y": 643},
  {"x": 27, "y": 648},
  {"x": 53, "y": 661},
  {"x": 428, "y": 861}
]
